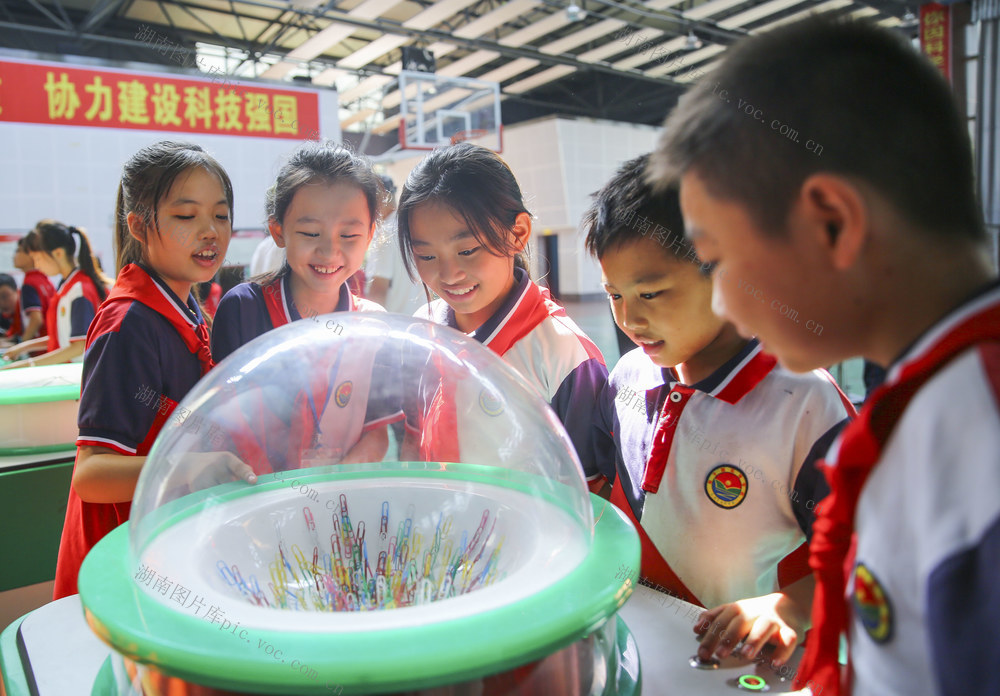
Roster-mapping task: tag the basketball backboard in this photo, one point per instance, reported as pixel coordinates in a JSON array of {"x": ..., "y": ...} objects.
[{"x": 436, "y": 110}]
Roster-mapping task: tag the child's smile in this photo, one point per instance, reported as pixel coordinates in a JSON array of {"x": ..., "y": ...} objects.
[{"x": 467, "y": 275}]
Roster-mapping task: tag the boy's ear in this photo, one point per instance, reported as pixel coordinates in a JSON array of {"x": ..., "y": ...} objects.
[
  {"x": 837, "y": 216},
  {"x": 274, "y": 227},
  {"x": 521, "y": 231},
  {"x": 136, "y": 226}
]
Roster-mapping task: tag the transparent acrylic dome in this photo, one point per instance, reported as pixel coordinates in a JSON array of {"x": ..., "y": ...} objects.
[{"x": 368, "y": 471}]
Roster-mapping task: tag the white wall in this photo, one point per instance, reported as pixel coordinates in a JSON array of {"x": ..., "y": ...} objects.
[
  {"x": 559, "y": 162},
  {"x": 71, "y": 173}
]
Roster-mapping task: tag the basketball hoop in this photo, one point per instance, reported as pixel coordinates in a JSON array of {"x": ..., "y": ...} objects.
[{"x": 462, "y": 136}]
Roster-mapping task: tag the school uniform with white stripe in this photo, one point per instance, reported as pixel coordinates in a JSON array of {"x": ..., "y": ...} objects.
[
  {"x": 719, "y": 476},
  {"x": 915, "y": 511},
  {"x": 145, "y": 350}
]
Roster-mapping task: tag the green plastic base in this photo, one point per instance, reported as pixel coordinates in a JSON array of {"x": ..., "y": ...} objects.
[
  {"x": 14, "y": 680},
  {"x": 623, "y": 684},
  {"x": 444, "y": 652}
]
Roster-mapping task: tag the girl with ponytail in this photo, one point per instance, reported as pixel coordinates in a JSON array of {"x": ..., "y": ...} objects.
[
  {"x": 148, "y": 344},
  {"x": 64, "y": 250}
]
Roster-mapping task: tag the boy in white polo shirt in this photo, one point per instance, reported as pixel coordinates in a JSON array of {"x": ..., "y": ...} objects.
[
  {"x": 710, "y": 445},
  {"x": 880, "y": 238}
]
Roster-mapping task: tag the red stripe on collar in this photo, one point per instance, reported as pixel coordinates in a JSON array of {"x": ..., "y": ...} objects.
[
  {"x": 531, "y": 309},
  {"x": 747, "y": 375}
]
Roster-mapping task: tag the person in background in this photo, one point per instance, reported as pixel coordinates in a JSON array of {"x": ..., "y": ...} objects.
[
  {"x": 210, "y": 294},
  {"x": 10, "y": 314},
  {"x": 390, "y": 284},
  {"x": 36, "y": 293},
  {"x": 65, "y": 251}
]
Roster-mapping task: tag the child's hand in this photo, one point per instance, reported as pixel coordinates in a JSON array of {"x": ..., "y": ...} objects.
[
  {"x": 370, "y": 448},
  {"x": 12, "y": 353},
  {"x": 756, "y": 622},
  {"x": 206, "y": 469}
]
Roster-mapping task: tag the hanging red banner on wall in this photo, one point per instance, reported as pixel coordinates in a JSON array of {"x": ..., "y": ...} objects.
[
  {"x": 935, "y": 35},
  {"x": 55, "y": 93}
]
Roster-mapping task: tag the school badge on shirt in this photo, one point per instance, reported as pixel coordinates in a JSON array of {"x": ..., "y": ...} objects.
[
  {"x": 726, "y": 486},
  {"x": 490, "y": 403},
  {"x": 872, "y": 605},
  {"x": 343, "y": 393}
]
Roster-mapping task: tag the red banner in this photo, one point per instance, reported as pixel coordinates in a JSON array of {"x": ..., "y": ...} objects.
[
  {"x": 935, "y": 35},
  {"x": 58, "y": 94}
]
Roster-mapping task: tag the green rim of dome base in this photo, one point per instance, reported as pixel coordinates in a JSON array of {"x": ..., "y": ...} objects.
[{"x": 445, "y": 652}]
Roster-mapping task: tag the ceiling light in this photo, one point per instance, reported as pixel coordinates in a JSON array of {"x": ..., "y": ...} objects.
[
  {"x": 574, "y": 12},
  {"x": 693, "y": 42}
]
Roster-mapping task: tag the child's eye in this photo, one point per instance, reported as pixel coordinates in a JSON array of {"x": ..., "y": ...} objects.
[
  {"x": 650, "y": 295},
  {"x": 309, "y": 234},
  {"x": 184, "y": 217},
  {"x": 468, "y": 252},
  {"x": 424, "y": 258},
  {"x": 222, "y": 217},
  {"x": 349, "y": 236},
  {"x": 613, "y": 297},
  {"x": 708, "y": 268}
]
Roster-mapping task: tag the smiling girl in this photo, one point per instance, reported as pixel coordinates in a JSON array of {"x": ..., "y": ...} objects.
[
  {"x": 322, "y": 211},
  {"x": 462, "y": 227}
]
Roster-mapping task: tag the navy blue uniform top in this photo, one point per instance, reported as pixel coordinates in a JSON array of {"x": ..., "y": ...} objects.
[
  {"x": 136, "y": 359},
  {"x": 243, "y": 314}
]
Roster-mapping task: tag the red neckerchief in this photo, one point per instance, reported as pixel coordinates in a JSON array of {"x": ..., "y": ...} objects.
[
  {"x": 134, "y": 285},
  {"x": 860, "y": 449}
]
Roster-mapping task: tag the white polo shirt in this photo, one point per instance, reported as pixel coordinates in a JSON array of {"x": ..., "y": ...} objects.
[
  {"x": 925, "y": 581},
  {"x": 734, "y": 496}
]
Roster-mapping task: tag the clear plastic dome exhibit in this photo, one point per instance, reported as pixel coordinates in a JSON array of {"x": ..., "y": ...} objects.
[{"x": 365, "y": 503}]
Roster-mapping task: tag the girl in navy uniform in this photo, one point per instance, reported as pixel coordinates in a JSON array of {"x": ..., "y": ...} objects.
[
  {"x": 80, "y": 293},
  {"x": 148, "y": 344},
  {"x": 322, "y": 211},
  {"x": 462, "y": 226}
]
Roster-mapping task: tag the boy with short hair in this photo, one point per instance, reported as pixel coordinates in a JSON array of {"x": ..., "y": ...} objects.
[
  {"x": 710, "y": 446},
  {"x": 880, "y": 240}
]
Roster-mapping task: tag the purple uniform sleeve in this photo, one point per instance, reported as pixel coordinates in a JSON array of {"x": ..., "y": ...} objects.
[
  {"x": 575, "y": 402},
  {"x": 241, "y": 317},
  {"x": 82, "y": 312},
  {"x": 810, "y": 484},
  {"x": 603, "y": 433},
  {"x": 963, "y": 612},
  {"x": 30, "y": 301}
]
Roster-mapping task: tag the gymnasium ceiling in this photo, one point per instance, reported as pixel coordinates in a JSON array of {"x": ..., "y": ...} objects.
[{"x": 615, "y": 59}]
